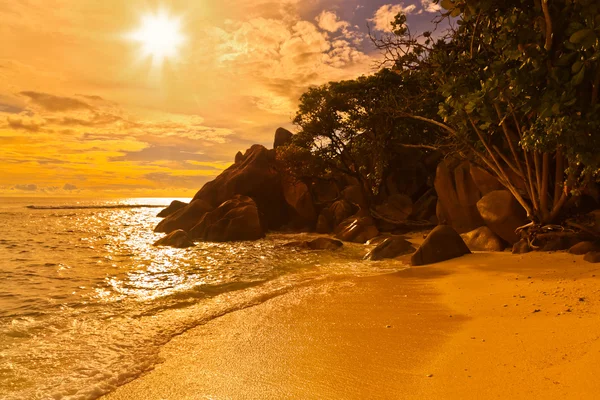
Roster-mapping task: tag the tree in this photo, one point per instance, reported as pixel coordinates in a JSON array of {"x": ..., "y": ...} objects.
[
  {"x": 519, "y": 83},
  {"x": 346, "y": 127}
]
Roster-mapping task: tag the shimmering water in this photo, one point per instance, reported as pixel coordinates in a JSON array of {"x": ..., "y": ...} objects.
[{"x": 86, "y": 301}]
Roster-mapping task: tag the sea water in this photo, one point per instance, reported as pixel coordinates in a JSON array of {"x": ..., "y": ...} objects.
[{"x": 86, "y": 301}]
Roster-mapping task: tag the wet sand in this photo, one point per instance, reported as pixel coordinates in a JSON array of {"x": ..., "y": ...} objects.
[{"x": 486, "y": 326}]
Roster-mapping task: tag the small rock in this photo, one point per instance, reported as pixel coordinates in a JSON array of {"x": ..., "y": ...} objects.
[
  {"x": 430, "y": 375},
  {"x": 592, "y": 257}
]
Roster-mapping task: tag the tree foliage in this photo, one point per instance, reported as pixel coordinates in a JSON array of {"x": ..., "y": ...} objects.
[{"x": 518, "y": 83}]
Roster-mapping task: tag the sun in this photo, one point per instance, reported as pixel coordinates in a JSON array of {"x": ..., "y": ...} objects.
[{"x": 160, "y": 36}]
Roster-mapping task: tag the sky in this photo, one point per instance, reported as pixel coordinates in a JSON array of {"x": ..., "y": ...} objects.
[{"x": 147, "y": 98}]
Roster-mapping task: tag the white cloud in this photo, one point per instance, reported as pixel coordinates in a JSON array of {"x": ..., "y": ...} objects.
[
  {"x": 330, "y": 22},
  {"x": 430, "y": 6},
  {"x": 385, "y": 15}
]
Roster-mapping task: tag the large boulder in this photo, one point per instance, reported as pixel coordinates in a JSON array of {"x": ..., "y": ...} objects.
[
  {"x": 325, "y": 191},
  {"x": 340, "y": 211},
  {"x": 186, "y": 218},
  {"x": 443, "y": 243},
  {"x": 178, "y": 239},
  {"x": 483, "y": 239},
  {"x": 522, "y": 247},
  {"x": 484, "y": 181},
  {"x": 357, "y": 230},
  {"x": 298, "y": 197},
  {"x": 390, "y": 247},
  {"x": 175, "y": 206},
  {"x": 354, "y": 195},
  {"x": 503, "y": 214},
  {"x": 282, "y": 137},
  {"x": 584, "y": 248},
  {"x": 457, "y": 197},
  {"x": 397, "y": 208},
  {"x": 592, "y": 257},
  {"x": 255, "y": 176},
  {"x": 234, "y": 220},
  {"x": 424, "y": 209}
]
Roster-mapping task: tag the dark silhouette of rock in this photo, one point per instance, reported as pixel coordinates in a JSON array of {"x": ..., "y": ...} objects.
[
  {"x": 325, "y": 191},
  {"x": 357, "y": 229},
  {"x": 354, "y": 195},
  {"x": 175, "y": 206},
  {"x": 298, "y": 197},
  {"x": 483, "y": 239},
  {"x": 484, "y": 181},
  {"x": 503, "y": 214},
  {"x": 557, "y": 241},
  {"x": 425, "y": 208},
  {"x": 257, "y": 177},
  {"x": 178, "y": 239},
  {"x": 282, "y": 137},
  {"x": 391, "y": 247},
  {"x": 325, "y": 222},
  {"x": 457, "y": 197},
  {"x": 234, "y": 220},
  {"x": 317, "y": 244},
  {"x": 340, "y": 211},
  {"x": 239, "y": 157},
  {"x": 521, "y": 247},
  {"x": 397, "y": 208},
  {"x": 584, "y": 248},
  {"x": 443, "y": 243},
  {"x": 186, "y": 218},
  {"x": 592, "y": 257}
]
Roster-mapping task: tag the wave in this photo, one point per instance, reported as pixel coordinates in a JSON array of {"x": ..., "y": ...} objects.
[{"x": 92, "y": 207}]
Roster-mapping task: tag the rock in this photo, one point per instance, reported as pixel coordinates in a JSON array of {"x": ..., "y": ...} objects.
[
  {"x": 378, "y": 240},
  {"x": 584, "y": 248},
  {"x": 340, "y": 211},
  {"x": 257, "y": 176},
  {"x": 484, "y": 181},
  {"x": 299, "y": 199},
  {"x": 357, "y": 230},
  {"x": 391, "y": 247},
  {"x": 503, "y": 214},
  {"x": 354, "y": 195},
  {"x": 592, "y": 257},
  {"x": 443, "y": 243},
  {"x": 317, "y": 244},
  {"x": 457, "y": 196},
  {"x": 325, "y": 222},
  {"x": 324, "y": 244},
  {"x": 282, "y": 137},
  {"x": 178, "y": 239},
  {"x": 425, "y": 207},
  {"x": 398, "y": 208},
  {"x": 186, "y": 218},
  {"x": 325, "y": 191},
  {"x": 234, "y": 220},
  {"x": 239, "y": 157},
  {"x": 557, "y": 241},
  {"x": 521, "y": 247},
  {"x": 175, "y": 206},
  {"x": 483, "y": 239}
]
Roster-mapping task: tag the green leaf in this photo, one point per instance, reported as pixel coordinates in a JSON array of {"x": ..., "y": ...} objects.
[
  {"x": 581, "y": 35},
  {"x": 577, "y": 67},
  {"x": 577, "y": 79}
]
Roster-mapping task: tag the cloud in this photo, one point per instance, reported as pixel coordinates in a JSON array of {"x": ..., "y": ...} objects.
[
  {"x": 22, "y": 122},
  {"x": 330, "y": 22},
  {"x": 55, "y": 103},
  {"x": 162, "y": 153},
  {"x": 385, "y": 15},
  {"x": 430, "y": 6},
  {"x": 177, "y": 181},
  {"x": 69, "y": 187},
  {"x": 26, "y": 188}
]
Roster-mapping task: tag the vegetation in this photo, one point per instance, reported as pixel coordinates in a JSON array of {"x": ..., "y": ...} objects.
[{"x": 513, "y": 87}]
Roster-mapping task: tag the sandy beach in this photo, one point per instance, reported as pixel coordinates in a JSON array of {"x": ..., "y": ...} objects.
[{"x": 483, "y": 326}]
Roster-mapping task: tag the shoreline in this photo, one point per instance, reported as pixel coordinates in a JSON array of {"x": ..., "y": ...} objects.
[{"x": 482, "y": 326}]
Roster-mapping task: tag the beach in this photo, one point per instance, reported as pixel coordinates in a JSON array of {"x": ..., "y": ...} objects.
[{"x": 480, "y": 326}]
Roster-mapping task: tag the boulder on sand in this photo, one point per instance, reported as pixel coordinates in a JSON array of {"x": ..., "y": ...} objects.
[
  {"x": 178, "y": 239},
  {"x": 234, "y": 220},
  {"x": 175, "y": 206},
  {"x": 521, "y": 247},
  {"x": 483, "y": 239},
  {"x": 185, "y": 218},
  {"x": 503, "y": 214},
  {"x": 298, "y": 197},
  {"x": 584, "y": 248},
  {"x": 592, "y": 257},
  {"x": 357, "y": 230},
  {"x": 256, "y": 176},
  {"x": 443, "y": 243},
  {"x": 390, "y": 247}
]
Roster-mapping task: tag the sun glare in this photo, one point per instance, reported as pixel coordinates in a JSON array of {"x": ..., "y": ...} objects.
[{"x": 160, "y": 36}]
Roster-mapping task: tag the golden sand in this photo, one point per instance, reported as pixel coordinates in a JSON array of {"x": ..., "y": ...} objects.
[{"x": 484, "y": 326}]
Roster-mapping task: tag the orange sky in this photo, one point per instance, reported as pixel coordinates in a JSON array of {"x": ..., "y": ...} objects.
[{"x": 84, "y": 112}]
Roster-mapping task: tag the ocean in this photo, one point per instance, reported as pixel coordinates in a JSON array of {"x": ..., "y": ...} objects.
[{"x": 86, "y": 301}]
